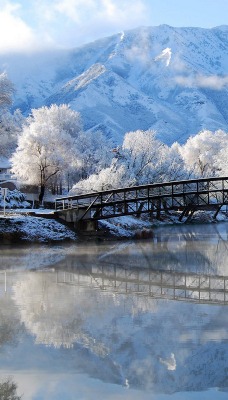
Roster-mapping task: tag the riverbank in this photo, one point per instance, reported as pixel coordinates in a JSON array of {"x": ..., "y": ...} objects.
[
  {"x": 19, "y": 228},
  {"x": 25, "y": 229}
]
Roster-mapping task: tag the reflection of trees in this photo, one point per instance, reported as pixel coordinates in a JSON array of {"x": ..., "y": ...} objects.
[
  {"x": 8, "y": 390},
  {"x": 156, "y": 344},
  {"x": 52, "y": 313},
  {"x": 161, "y": 348},
  {"x": 9, "y": 322}
]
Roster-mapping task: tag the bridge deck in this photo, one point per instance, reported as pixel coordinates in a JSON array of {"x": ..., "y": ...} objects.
[{"x": 188, "y": 195}]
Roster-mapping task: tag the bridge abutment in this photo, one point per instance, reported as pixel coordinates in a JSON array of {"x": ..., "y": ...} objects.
[{"x": 72, "y": 217}]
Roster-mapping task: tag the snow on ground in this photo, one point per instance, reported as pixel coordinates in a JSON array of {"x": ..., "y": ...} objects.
[
  {"x": 33, "y": 229},
  {"x": 26, "y": 228},
  {"x": 126, "y": 226},
  {"x": 129, "y": 226}
]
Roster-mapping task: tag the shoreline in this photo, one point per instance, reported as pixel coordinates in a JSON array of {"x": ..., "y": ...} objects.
[{"x": 28, "y": 229}]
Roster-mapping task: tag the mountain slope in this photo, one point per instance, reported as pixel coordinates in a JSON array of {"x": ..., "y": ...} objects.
[{"x": 173, "y": 80}]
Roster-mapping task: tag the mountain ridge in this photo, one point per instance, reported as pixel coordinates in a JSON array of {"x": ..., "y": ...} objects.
[{"x": 172, "y": 80}]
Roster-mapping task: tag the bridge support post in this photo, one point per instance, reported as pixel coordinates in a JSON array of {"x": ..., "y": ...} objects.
[
  {"x": 87, "y": 225},
  {"x": 158, "y": 213},
  {"x": 217, "y": 211},
  {"x": 190, "y": 215},
  {"x": 184, "y": 213}
]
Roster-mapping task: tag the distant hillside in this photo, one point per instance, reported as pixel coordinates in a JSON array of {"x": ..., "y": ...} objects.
[{"x": 173, "y": 80}]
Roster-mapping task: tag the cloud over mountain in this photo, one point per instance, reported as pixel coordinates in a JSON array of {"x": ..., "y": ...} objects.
[{"x": 172, "y": 80}]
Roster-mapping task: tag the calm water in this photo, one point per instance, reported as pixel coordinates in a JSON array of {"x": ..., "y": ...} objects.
[{"x": 127, "y": 320}]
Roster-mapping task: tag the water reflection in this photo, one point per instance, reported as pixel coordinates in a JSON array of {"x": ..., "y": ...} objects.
[{"x": 111, "y": 311}]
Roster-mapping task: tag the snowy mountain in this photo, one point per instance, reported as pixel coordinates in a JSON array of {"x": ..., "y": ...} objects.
[{"x": 173, "y": 80}]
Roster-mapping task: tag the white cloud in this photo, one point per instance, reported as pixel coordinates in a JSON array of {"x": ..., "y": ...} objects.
[
  {"x": 84, "y": 21},
  {"x": 141, "y": 48},
  {"x": 75, "y": 10},
  {"x": 15, "y": 33},
  {"x": 214, "y": 82},
  {"x": 65, "y": 23},
  {"x": 114, "y": 11}
]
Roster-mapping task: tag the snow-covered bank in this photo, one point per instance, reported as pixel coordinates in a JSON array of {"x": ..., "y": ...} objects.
[
  {"x": 126, "y": 227},
  {"x": 19, "y": 228},
  {"x": 136, "y": 228},
  {"x": 26, "y": 228}
]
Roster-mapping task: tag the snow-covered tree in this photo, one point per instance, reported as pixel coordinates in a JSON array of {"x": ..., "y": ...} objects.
[
  {"x": 6, "y": 90},
  {"x": 10, "y": 124},
  {"x": 142, "y": 152},
  {"x": 173, "y": 164},
  {"x": 112, "y": 177},
  {"x": 200, "y": 152},
  {"x": 142, "y": 159},
  {"x": 10, "y": 128},
  {"x": 95, "y": 151},
  {"x": 47, "y": 146},
  {"x": 221, "y": 160}
]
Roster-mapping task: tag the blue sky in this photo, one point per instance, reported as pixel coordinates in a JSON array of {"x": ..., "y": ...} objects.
[{"x": 28, "y": 25}]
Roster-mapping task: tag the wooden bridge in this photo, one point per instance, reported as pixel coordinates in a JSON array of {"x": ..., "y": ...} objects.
[{"x": 186, "y": 196}]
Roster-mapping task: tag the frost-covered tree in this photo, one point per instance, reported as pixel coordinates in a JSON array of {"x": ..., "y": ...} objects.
[
  {"x": 174, "y": 168},
  {"x": 6, "y": 90},
  {"x": 201, "y": 151},
  {"x": 221, "y": 160},
  {"x": 10, "y": 124},
  {"x": 10, "y": 128},
  {"x": 132, "y": 164},
  {"x": 142, "y": 159},
  {"x": 143, "y": 155},
  {"x": 95, "y": 152},
  {"x": 111, "y": 177},
  {"x": 47, "y": 146}
]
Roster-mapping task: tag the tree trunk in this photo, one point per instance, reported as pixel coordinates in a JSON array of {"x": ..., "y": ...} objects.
[{"x": 41, "y": 195}]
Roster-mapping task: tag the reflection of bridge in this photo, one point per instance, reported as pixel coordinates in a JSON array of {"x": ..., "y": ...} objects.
[
  {"x": 209, "y": 289},
  {"x": 185, "y": 196}
]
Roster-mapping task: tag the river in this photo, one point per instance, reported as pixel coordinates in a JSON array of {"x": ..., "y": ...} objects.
[{"x": 118, "y": 320}]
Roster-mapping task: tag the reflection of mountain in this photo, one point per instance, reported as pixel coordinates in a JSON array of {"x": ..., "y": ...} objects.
[
  {"x": 147, "y": 342},
  {"x": 80, "y": 310}
]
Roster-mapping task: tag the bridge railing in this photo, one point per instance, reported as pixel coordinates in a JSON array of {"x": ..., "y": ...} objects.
[
  {"x": 215, "y": 186},
  {"x": 175, "y": 195}
]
